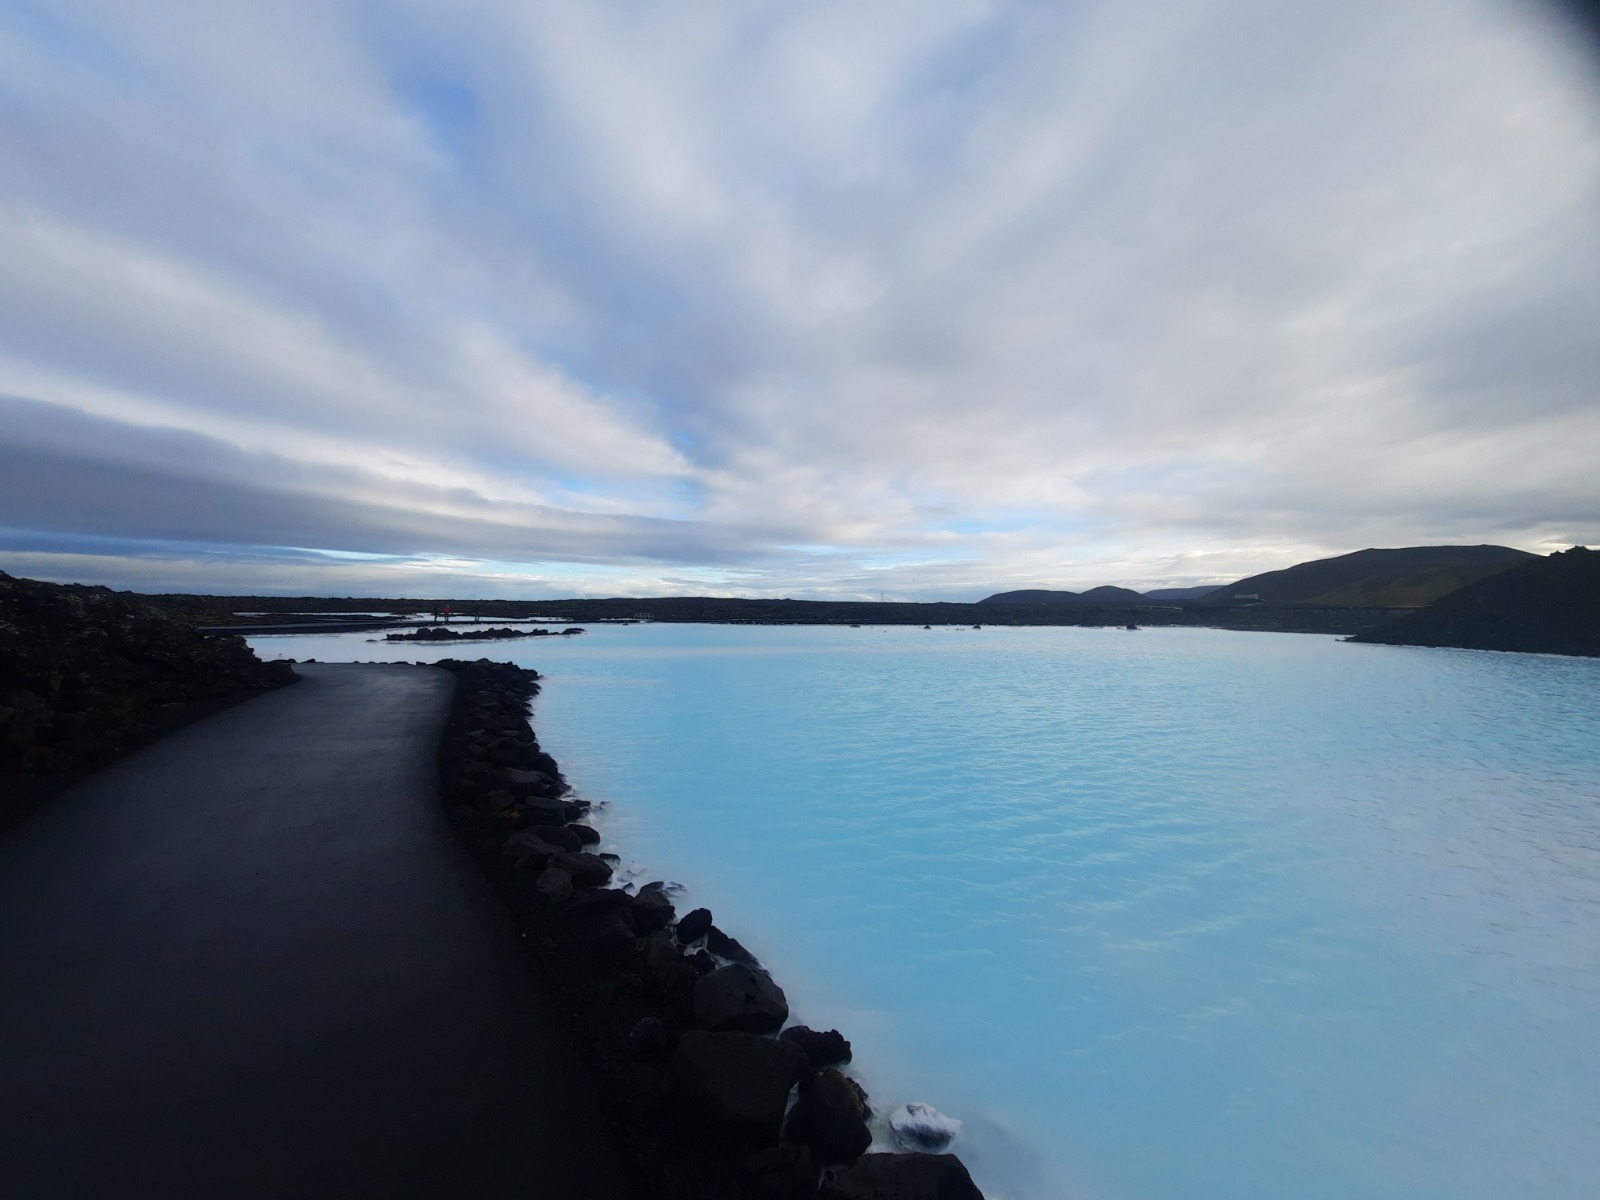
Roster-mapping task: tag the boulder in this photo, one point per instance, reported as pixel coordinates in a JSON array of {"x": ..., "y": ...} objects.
[
  {"x": 903, "y": 1177},
  {"x": 922, "y": 1127},
  {"x": 692, "y": 926},
  {"x": 559, "y": 836},
  {"x": 587, "y": 870},
  {"x": 595, "y": 901},
  {"x": 529, "y": 848},
  {"x": 740, "y": 997},
  {"x": 661, "y": 956},
  {"x": 783, "y": 1173},
  {"x": 555, "y": 884},
  {"x": 586, "y": 834},
  {"x": 830, "y": 1116},
  {"x": 495, "y": 801},
  {"x": 738, "y": 1081},
  {"x": 528, "y": 783},
  {"x": 652, "y": 910},
  {"x": 726, "y": 947},
  {"x": 508, "y": 752},
  {"x": 827, "y": 1048}
]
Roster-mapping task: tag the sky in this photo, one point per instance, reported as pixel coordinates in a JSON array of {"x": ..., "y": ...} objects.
[{"x": 825, "y": 300}]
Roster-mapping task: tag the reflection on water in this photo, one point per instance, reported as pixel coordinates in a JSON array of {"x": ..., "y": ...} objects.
[{"x": 1171, "y": 915}]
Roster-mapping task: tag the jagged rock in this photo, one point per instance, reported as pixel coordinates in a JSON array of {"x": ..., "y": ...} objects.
[
  {"x": 508, "y": 752},
  {"x": 529, "y": 848},
  {"x": 827, "y": 1048},
  {"x": 595, "y": 901},
  {"x": 726, "y": 947},
  {"x": 740, "y": 997},
  {"x": 560, "y": 836},
  {"x": 495, "y": 801},
  {"x": 555, "y": 884},
  {"x": 587, "y": 870},
  {"x": 903, "y": 1177},
  {"x": 701, "y": 962},
  {"x": 660, "y": 954},
  {"x": 783, "y": 1173},
  {"x": 652, "y": 910},
  {"x": 830, "y": 1115},
  {"x": 692, "y": 926},
  {"x": 922, "y": 1127},
  {"x": 83, "y": 669},
  {"x": 529, "y": 783},
  {"x": 739, "y": 1081}
]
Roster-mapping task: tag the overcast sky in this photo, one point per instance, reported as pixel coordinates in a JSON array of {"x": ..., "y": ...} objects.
[{"x": 818, "y": 299}]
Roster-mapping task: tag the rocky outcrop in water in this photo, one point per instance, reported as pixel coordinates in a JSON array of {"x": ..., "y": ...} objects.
[{"x": 443, "y": 633}]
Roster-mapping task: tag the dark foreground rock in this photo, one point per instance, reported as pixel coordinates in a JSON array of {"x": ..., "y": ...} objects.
[
  {"x": 830, "y": 1117},
  {"x": 1546, "y": 605},
  {"x": 88, "y": 674},
  {"x": 825, "y": 1048},
  {"x": 739, "y": 1081},
  {"x": 741, "y": 997},
  {"x": 904, "y": 1177},
  {"x": 694, "y": 925}
]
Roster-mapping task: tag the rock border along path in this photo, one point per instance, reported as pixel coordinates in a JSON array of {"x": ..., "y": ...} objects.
[
  {"x": 250, "y": 961},
  {"x": 676, "y": 1018}
]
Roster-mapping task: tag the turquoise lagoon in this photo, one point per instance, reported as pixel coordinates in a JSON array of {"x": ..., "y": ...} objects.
[{"x": 1174, "y": 914}]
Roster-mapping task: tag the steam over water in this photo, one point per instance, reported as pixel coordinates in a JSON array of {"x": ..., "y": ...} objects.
[{"x": 1159, "y": 915}]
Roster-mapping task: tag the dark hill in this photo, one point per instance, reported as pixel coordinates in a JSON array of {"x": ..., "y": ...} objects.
[
  {"x": 1543, "y": 606},
  {"x": 1099, "y": 595},
  {"x": 1188, "y": 593},
  {"x": 1408, "y": 577}
]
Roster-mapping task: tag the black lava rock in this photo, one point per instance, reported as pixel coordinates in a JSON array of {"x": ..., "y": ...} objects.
[
  {"x": 692, "y": 925},
  {"x": 827, "y": 1048},
  {"x": 830, "y": 1116}
]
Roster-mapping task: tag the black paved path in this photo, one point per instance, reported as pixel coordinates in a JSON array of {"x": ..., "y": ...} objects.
[{"x": 250, "y": 961}]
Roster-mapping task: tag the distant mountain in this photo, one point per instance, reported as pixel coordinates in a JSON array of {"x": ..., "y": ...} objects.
[
  {"x": 1100, "y": 595},
  {"x": 1191, "y": 593},
  {"x": 1542, "y": 606},
  {"x": 1408, "y": 577}
]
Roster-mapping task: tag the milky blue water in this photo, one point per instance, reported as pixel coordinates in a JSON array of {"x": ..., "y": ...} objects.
[{"x": 1167, "y": 915}]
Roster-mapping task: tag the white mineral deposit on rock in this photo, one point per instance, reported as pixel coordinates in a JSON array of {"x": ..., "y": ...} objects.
[{"x": 922, "y": 1127}]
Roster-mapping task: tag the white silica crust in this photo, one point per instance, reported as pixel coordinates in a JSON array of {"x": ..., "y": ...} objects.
[{"x": 922, "y": 1127}]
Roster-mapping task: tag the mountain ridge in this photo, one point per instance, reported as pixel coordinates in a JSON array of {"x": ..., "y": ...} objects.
[
  {"x": 1548, "y": 605},
  {"x": 1402, "y": 577}
]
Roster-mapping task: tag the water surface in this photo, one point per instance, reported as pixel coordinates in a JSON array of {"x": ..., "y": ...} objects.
[{"x": 1172, "y": 914}]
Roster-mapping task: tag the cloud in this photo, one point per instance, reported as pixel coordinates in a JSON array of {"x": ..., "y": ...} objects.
[{"x": 937, "y": 295}]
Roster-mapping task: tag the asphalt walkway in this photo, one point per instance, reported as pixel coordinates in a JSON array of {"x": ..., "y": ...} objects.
[{"x": 250, "y": 960}]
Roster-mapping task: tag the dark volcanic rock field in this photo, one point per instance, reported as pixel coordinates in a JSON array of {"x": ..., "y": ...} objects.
[{"x": 88, "y": 674}]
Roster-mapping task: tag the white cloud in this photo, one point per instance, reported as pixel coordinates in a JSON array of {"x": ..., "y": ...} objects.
[{"x": 965, "y": 291}]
